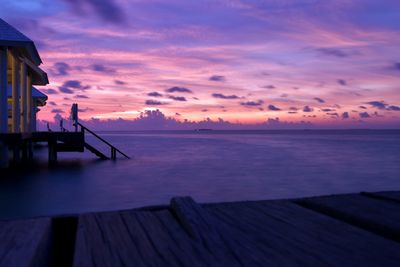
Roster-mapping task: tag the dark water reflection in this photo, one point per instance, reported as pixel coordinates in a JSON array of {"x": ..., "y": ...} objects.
[{"x": 210, "y": 167}]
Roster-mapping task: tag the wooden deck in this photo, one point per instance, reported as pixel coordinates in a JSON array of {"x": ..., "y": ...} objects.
[
  {"x": 21, "y": 145},
  {"x": 340, "y": 230}
]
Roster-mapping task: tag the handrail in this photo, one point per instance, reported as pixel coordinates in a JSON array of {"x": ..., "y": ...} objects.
[{"x": 113, "y": 148}]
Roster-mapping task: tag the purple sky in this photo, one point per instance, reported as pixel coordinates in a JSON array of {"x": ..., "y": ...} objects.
[{"x": 328, "y": 63}]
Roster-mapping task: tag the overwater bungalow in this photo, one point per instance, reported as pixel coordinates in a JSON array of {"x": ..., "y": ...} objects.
[
  {"x": 20, "y": 101},
  {"x": 19, "y": 71}
]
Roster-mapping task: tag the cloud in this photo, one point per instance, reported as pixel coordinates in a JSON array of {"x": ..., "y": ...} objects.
[
  {"x": 106, "y": 10},
  {"x": 217, "y": 78},
  {"x": 327, "y": 109},
  {"x": 178, "y": 89},
  {"x": 320, "y": 100},
  {"x": 362, "y": 107},
  {"x": 61, "y": 69},
  {"x": 101, "y": 68},
  {"x": 65, "y": 90},
  {"x": 396, "y": 66},
  {"x": 52, "y": 103},
  {"x": 81, "y": 96},
  {"x": 393, "y": 108},
  {"x": 345, "y": 115},
  {"x": 156, "y": 120},
  {"x": 342, "y": 82},
  {"x": 364, "y": 115},
  {"x": 118, "y": 82},
  {"x": 49, "y": 91},
  {"x": 57, "y": 110},
  {"x": 177, "y": 98},
  {"x": 218, "y": 95},
  {"x": 293, "y": 108},
  {"x": 382, "y": 105},
  {"x": 377, "y": 104},
  {"x": 252, "y": 103},
  {"x": 84, "y": 109},
  {"x": 333, "y": 114},
  {"x": 333, "y": 52},
  {"x": 73, "y": 84},
  {"x": 269, "y": 86},
  {"x": 307, "y": 109},
  {"x": 153, "y": 103},
  {"x": 273, "y": 108},
  {"x": 155, "y": 94}
]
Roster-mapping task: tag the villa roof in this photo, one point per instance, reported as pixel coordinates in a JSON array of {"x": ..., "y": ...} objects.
[
  {"x": 9, "y": 36},
  {"x": 36, "y": 94}
]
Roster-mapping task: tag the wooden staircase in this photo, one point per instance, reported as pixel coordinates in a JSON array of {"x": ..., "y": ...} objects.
[
  {"x": 113, "y": 149},
  {"x": 95, "y": 151},
  {"x": 75, "y": 142}
]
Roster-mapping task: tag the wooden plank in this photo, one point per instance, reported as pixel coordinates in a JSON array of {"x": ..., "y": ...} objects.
[
  {"x": 129, "y": 238},
  {"x": 269, "y": 237},
  {"x": 389, "y": 195},
  {"x": 378, "y": 216},
  {"x": 294, "y": 236},
  {"x": 103, "y": 240},
  {"x": 173, "y": 253},
  {"x": 183, "y": 241},
  {"x": 144, "y": 245},
  {"x": 228, "y": 246},
  {"x": 25, "y": 242}
]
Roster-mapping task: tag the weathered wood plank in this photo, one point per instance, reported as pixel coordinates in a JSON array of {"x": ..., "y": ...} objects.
[
  {"x": 182, "y": 240},
  {"x": 389, "y": 195},
  {"x": 229, "y": 246},
  {"x": 172, "y": 253},
  {"x": 378, "y": 216},
  {"x": 139, "y": 236},
  {"x": 104, "y": 239},
  {"x": 269, "y": 238},
  {"x": 293, "y": 236},
  {"x": 25, "y": 242},
  {"x": 129, "y": 238},
  {"x": 91, "y": 248}
]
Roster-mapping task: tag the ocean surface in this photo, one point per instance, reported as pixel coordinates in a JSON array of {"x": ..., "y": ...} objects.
[{"x": 210, "y": 166}]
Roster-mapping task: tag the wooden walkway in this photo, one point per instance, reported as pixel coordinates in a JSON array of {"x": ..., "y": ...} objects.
[{"x": 340, "y": 230}]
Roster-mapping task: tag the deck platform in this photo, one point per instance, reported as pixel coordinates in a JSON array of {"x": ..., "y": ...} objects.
[
  {"x": 339, "y": 230},
  {"x": 21, "y": 145}
]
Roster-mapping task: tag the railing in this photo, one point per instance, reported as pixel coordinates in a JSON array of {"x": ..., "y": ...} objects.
[{"x": 114, "y": 150}]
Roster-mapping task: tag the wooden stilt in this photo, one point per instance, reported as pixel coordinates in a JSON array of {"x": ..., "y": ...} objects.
[
  {"x": 16, "y": 114},
  {"x": 4, "y": 160},
  {"x": 16, "y": 154},
  {"x": 29, "y": 102},
  {"x": 23, "y": 90},
  {"x": 52, "y": 151}
]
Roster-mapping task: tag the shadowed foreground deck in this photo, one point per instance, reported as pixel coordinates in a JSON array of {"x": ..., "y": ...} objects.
[{"x": 340, "y": 230}]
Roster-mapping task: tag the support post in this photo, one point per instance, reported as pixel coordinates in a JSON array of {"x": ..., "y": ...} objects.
[
  {"x": 113, "y": 153},
  {"x": 4, "y": 160},
  {"x": 16, "y": 114},
  {"x": 29, "y": 102},
  {"x": 52, "y": 146},
  {"x": 24, "y": 106}
]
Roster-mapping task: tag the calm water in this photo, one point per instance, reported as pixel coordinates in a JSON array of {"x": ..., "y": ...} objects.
[{"x": 209, "y": 166}]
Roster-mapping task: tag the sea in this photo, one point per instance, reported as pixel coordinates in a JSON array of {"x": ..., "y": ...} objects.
[{"x": 209, "y": 166}]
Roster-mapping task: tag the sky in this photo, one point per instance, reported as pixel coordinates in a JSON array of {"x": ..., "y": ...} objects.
[{"x": 307, "y": 62}]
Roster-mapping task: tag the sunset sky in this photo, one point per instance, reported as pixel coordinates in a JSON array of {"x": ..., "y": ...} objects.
[{"x": 324, "y": 62}]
